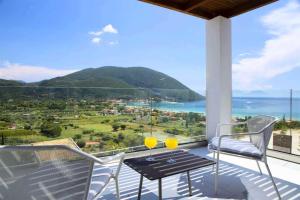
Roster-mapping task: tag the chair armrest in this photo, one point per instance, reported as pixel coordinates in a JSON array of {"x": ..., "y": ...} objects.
[
  {"x": 228, "y": 124},
  {"x": 113, "y": 158},
  {"x": 104, "y": 161},
  {"x": 242, "y": 134},
  {"x": 120, "y": 157},
  {"x": 232, "y": 124}
]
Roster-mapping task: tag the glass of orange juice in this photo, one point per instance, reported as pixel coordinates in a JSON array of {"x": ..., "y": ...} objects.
[
  {"x": 171, "y": 143},
  {"x": 151, "y": 143}
]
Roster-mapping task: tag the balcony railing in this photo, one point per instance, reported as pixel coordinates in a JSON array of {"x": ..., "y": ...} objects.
[
  {"x": 283, "y": 104},
  {"x": 112, "y": 119},
  {"x": 98, "y": 119}
]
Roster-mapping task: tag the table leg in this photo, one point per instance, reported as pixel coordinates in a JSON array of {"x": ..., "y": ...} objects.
[
  {"x": 189, "y": 183},
  {"x": 159, "y": 189},
  {"x": 140, "y": 187}
]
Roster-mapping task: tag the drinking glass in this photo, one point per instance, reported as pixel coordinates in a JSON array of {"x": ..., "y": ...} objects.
[
  {"x": 171, "y": 143},
  {"x": 150, "y": 142}
]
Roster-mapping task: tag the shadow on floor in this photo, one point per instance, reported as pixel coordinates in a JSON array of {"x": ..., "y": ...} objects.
[{"x": 233, "y": 181}]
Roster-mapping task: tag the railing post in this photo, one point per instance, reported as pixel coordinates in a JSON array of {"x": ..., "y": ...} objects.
[
  {"x": 291, "y": 117},
  {"x": 291, "y": 104}
]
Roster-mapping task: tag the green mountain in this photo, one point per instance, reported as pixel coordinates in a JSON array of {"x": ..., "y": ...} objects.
[{"x": 114, "y": 82}]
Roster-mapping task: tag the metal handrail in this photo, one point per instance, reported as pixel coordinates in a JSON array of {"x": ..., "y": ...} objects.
[
  {"x": 131, "y": 149},
  {"x": 56, "y": 147}
]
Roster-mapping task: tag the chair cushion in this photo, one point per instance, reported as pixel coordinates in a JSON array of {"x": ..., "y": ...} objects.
[
  {"x": 100, "y": 178},
  {"x": 235, "y": 146}
]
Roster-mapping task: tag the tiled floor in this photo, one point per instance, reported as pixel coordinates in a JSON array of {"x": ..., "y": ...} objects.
[{"x": 236, "y": 174}]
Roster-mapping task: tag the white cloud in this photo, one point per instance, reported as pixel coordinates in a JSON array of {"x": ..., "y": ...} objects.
[
  {"x": 96, "y": 40},
  {"x": 113, "y": 43},
  {"x": 29, "y": 73},
  {"x": 106, "y": 29},
  {"x": 280, "y": 53},
  {"x": 96, "y": 33},
  {"x": 109, "y": 29},
  {"x": 244, "y": 54}
]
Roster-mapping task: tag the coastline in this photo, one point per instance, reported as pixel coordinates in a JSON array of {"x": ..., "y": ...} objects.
[{"x": 242, "y": 107}]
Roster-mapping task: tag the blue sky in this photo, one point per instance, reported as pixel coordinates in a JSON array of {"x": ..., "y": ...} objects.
[{"x": 44, "y": 39}]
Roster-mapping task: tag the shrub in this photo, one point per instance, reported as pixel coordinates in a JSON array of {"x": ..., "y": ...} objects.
[
  {"x": 100, "y": 134},
  {"x": 50, "y": 129},
  {"x": 77, "y": 137},
  {"x": 174, "y": 131},
  {"x": 115, "y": 127},
  {"x": 294, "y": 124},
  {"x": 106, "y": 137},
  {"x": 80, "y": 143},
  {"x": 89, "y": 131},
  {"x": 123, "y": 127},
  {"x": 136, "y": 130},
  {"x": 121, "y": 137},
  {"x": 105, "y": 121},
  {"x": 91, "y": 137},
  {"x": 6, "y": 118},
  {"x": 27, "y": 127}
]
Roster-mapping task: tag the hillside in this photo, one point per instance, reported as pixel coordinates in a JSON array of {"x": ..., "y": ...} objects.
[
  {"x": 117, "y": 82},
  {"x": 4, "y": 82}
]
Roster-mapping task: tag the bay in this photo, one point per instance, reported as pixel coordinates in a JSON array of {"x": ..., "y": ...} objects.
[{"x": 241, "y": 106}]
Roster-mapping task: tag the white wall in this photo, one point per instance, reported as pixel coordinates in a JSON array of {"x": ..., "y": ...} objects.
[{"x": 218, "y": 73}]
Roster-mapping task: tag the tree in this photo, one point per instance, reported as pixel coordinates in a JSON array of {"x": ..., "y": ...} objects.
[
  {"x": 123, "y": 127},
  {"x": 80, "y": 143},
  {"x": 115, "y": 127},
  {"x": 27, "y": 127},
  {"x": 50, "y": 129}
]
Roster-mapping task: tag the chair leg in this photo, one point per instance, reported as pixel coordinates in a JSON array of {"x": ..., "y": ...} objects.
[
  {"x": 117, "y": 188},
  {"x": 270, "y": 174},
  {"x": 258, "y": 167},
  {"x": 217, "y": 173},
  {"x": 214, "y": 159}
]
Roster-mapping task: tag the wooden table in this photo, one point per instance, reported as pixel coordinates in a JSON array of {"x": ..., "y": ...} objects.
[{"x": 160, "y": 168}]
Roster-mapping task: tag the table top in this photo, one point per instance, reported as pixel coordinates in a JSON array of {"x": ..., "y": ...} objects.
[{"x": 160, "y": 168}]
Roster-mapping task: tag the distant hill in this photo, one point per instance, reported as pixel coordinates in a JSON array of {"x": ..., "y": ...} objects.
[
  {"x": 4, "y": 82},
  {"x": 113, "y": 82}
]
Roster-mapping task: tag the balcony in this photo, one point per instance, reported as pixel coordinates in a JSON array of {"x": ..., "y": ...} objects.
[
  {"x": 237, "y": 176},
  {"x": 68, "y": 178}
]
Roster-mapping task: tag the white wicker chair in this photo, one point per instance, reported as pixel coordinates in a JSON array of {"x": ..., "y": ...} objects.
[
  {"x": 259, "y": 130},
  {"x": 54, "y": 172}
]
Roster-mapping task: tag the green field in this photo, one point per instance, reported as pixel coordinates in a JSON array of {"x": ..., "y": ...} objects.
[{"x": 90, "y": 125}]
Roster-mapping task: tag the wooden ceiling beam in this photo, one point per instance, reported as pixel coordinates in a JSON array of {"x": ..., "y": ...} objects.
[
  {"x": 246, "y": 7},
  {"x": 179, "y": 7},
  {"x": 190, "y": 7}
]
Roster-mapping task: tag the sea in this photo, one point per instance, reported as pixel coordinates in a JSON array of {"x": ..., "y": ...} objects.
[{"x": 241, "y": 107}]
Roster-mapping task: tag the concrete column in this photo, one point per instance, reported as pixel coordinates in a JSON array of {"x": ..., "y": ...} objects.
[{"x": 218, "y": 73}]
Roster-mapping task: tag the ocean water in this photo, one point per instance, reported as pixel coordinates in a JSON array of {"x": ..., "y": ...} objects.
[{"x": 242, "y": 106}]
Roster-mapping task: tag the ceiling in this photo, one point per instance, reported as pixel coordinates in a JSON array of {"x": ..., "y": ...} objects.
[{"x": 208, "y": 9}]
